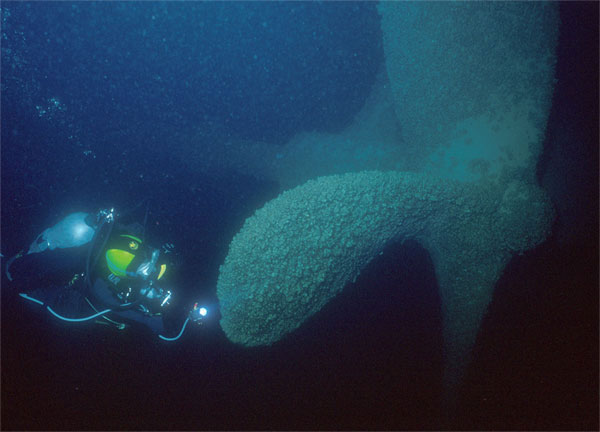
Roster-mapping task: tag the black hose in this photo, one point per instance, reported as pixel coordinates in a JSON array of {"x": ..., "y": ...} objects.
[
  {"x": 9, "y": 263},
  {"x": 88, "y": 267},
  {"x": 127, "y": 306}
]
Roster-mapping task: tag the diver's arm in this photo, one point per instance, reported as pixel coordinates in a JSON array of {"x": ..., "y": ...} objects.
[
  {"x": 198, "y": 313},
  {"x": 49, "y": 267}
]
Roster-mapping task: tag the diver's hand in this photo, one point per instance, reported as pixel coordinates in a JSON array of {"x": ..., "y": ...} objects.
[{"x": 198, "y": 314}]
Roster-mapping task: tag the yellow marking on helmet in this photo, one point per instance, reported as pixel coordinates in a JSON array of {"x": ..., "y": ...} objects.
[
  {"x": 133, "y": 245},
  {"x": 163, "y": 267},
  {"x": 118, "y": 261}
]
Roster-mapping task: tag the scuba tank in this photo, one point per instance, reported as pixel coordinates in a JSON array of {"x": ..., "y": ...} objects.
[{"x": 72, "y": 231}]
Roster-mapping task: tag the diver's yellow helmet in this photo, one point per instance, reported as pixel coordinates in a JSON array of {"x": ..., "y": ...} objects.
[{"x": 118, "y": 260}]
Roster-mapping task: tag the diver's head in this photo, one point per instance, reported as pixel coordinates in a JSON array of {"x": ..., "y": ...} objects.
[{"x": 127, "y": 257}]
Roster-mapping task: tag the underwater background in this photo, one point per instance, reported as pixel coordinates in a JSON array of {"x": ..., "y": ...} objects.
[{"x": 109, "y": 104}]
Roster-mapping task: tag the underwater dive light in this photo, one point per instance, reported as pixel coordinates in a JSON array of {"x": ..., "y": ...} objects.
[{"x": 198, "y": 313}]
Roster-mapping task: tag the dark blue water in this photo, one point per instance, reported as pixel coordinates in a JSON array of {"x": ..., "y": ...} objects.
[{"x": 98, "y": 101}]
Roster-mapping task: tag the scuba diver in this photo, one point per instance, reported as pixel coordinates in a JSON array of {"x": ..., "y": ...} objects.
[{"x": 91, "y": 267}]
